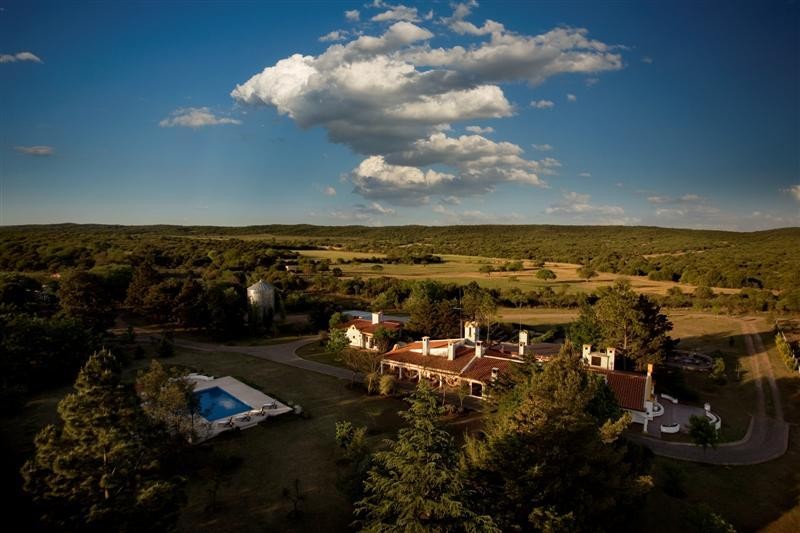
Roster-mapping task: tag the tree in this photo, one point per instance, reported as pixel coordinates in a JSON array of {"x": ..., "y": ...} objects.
[
  {"x": 168, "y": 398},
  {"x": 718, "y": 370},
  {"x": 703, "y": 432},
  {"x": 144, "y": 278},
  {"x": 552, "y": 458},
  {"x": 227, "y": 308},
  {"x": 83, "y": 295},
  {"x": 587, "y": 272},
  {"x": 630, "y": 322},
  {"x": 545, "y": 274},
  {"x": 486, "y": 269},
  {"x": 190, "y": 308},
  {"x": 414, "y": 484},
  {"x": 100, "y": 468},
  {"x": 384, "y": 338}
]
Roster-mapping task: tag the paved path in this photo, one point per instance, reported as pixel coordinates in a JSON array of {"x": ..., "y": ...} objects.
[
  {"x": 767, "y": 438},
  {"x": 277, "y": 353}
]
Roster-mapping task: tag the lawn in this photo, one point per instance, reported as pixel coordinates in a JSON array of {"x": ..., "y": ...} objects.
[
  {"x": 315, "y": 351},
  {"x": 282, "y": 450},
  {"x": 272, "y": 455}
]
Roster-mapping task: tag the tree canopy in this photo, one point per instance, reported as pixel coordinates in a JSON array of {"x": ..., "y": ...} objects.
[
  {"x": 414, "y": 485},
  {"x": 552, "y": 458},
  {"x": 99, "y": 468}
]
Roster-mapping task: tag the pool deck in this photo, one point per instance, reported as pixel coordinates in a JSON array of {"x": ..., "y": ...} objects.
[{"x": 263, "y": 407}]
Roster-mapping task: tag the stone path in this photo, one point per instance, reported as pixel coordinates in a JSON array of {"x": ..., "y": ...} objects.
[{"x": 767, "y": 438}]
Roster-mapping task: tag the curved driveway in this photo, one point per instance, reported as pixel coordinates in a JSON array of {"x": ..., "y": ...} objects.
[
  {"x": 277, "y": 353},
  {"x": 767, "y": 438}
]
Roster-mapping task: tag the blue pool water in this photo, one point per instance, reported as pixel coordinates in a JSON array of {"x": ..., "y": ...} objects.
[{"x": 216, "y": 403}]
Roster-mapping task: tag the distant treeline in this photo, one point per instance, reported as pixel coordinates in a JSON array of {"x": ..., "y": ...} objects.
[{"x": 764, "y": 259}]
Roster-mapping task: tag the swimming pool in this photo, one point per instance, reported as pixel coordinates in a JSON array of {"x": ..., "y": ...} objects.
[{"x": 217, "y": 403}]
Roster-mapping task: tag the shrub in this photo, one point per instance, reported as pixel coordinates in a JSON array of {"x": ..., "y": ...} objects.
[
  {"x": 371, "y": 381},
  {"x": 387, "y": 385}
]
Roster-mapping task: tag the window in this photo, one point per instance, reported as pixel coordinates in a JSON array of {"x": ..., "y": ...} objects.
[
  {"x": 597, "y": 361},
  {"x": 476, "y": 390}
]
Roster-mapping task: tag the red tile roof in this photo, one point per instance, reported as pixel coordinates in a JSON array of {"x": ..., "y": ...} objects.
[
  {"x": 366, "y": 326},
  {"x": 481, "y": 368},
  {"x": 406, "y": 354},
  {"x": 628, "y": 387}
]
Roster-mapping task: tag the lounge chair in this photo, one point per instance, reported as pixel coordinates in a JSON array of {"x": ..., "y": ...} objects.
[
  {"x": 258, "y": 412},
  {"x": 228, "y": 423},
  {"x": 270, "y": 405},
  {"x": 243, "y": 418}
]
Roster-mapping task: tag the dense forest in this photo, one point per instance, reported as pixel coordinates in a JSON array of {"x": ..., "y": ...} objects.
[{"x": 765, "y": 259}]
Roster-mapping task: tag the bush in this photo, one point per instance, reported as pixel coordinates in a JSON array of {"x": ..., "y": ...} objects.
[
  {"x": 718, "y": 371},
  {"x": 371, "y": 382},
  {"x": 387, "y": 385}
]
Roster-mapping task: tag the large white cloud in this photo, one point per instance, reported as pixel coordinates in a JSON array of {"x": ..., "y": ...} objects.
[{"x": 390, "y": 97}]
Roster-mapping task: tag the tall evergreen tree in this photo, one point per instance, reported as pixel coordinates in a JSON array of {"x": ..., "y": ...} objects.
[
  {"x": 552, "y": 459},
  {"x": 99, "y": 470},
  {"x": 415, "y": 485},
  {"x": 628, "y": 321}
]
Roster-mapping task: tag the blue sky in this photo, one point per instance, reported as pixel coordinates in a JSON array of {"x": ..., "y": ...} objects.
[{"x": 684, "y": 114}]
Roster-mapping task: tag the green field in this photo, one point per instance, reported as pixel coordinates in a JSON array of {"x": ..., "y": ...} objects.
[{"x": 463, "y": 269}]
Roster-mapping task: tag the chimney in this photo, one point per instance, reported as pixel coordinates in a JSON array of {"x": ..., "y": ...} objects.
[
  {"x": 478, "y": 348},
  {"x": 471, "y": 331},
  {"x": 451, "y": 350},
  {"x": 495, "y": 373},
  {"x": 523, "y": 336},
  {"x": 587, "y": 349},
  {"x": 612, "y": 357},
  {"x": 521, "y": 348},
  {"x": 426, "y": 345},
  {"x": 649, "y": 370},
  {"x": 377, "y": 318}
]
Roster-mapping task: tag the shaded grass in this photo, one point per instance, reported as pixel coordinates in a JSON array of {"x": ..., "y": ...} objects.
[
  {"x": 285, "y": 448},
  {"x": 315, "y": 351},
  {"x": 750, "y": 497}
]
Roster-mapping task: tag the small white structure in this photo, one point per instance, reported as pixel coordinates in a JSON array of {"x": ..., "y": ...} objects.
[
  {"x": 360, "y": 332},
  {"x": 600, "y": 359},
  {"x": 261, "y": 298}
]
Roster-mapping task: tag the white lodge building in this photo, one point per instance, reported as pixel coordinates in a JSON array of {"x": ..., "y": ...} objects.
[
  {"x": 453, "y": 362},
  {"x": 360, "y": 332}
]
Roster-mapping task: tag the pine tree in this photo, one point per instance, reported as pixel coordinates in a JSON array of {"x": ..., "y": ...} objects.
[
  {"x": 552, "y": 459},
  {"x": 415, "y": 485},
  {"x": 99, "y": 470}
]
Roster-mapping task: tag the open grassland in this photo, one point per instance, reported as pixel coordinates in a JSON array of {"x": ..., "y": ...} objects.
[{"x": 463, "y": 269}]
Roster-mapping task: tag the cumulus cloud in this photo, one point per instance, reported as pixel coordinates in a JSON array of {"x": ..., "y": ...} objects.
[
  {"x": 542, "y": 147},
  {"x": 571, "y": 97},
  {"x": 648, "y": 60},
  {"x": 19, "y": 56},
  {"x": 578, "y": 206},
  {"x": 457, "y": 23},
  {"x": 681, "y": 200},
  {"x": 542, "y": 104},
  {"x": 479, "y": 130},
  {"x": 353, "y": 15},
  {"x": 392, "y": 97},
  {"x": 195, "y": 117},
  {"x": 398, "y": 12},
  {"x": 39, "y": 151},
  {"x": 329, "y": 191},
  {"x": 585, "y": 174},
  {"x": 794, "y": 191},
  {"x": 367, "y": 213},
  {"x": 592, "y": 81},
  {"x": 336, "y": 35}
]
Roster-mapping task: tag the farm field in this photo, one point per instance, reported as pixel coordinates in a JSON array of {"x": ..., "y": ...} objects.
[{"x": 463, "y": 269}]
